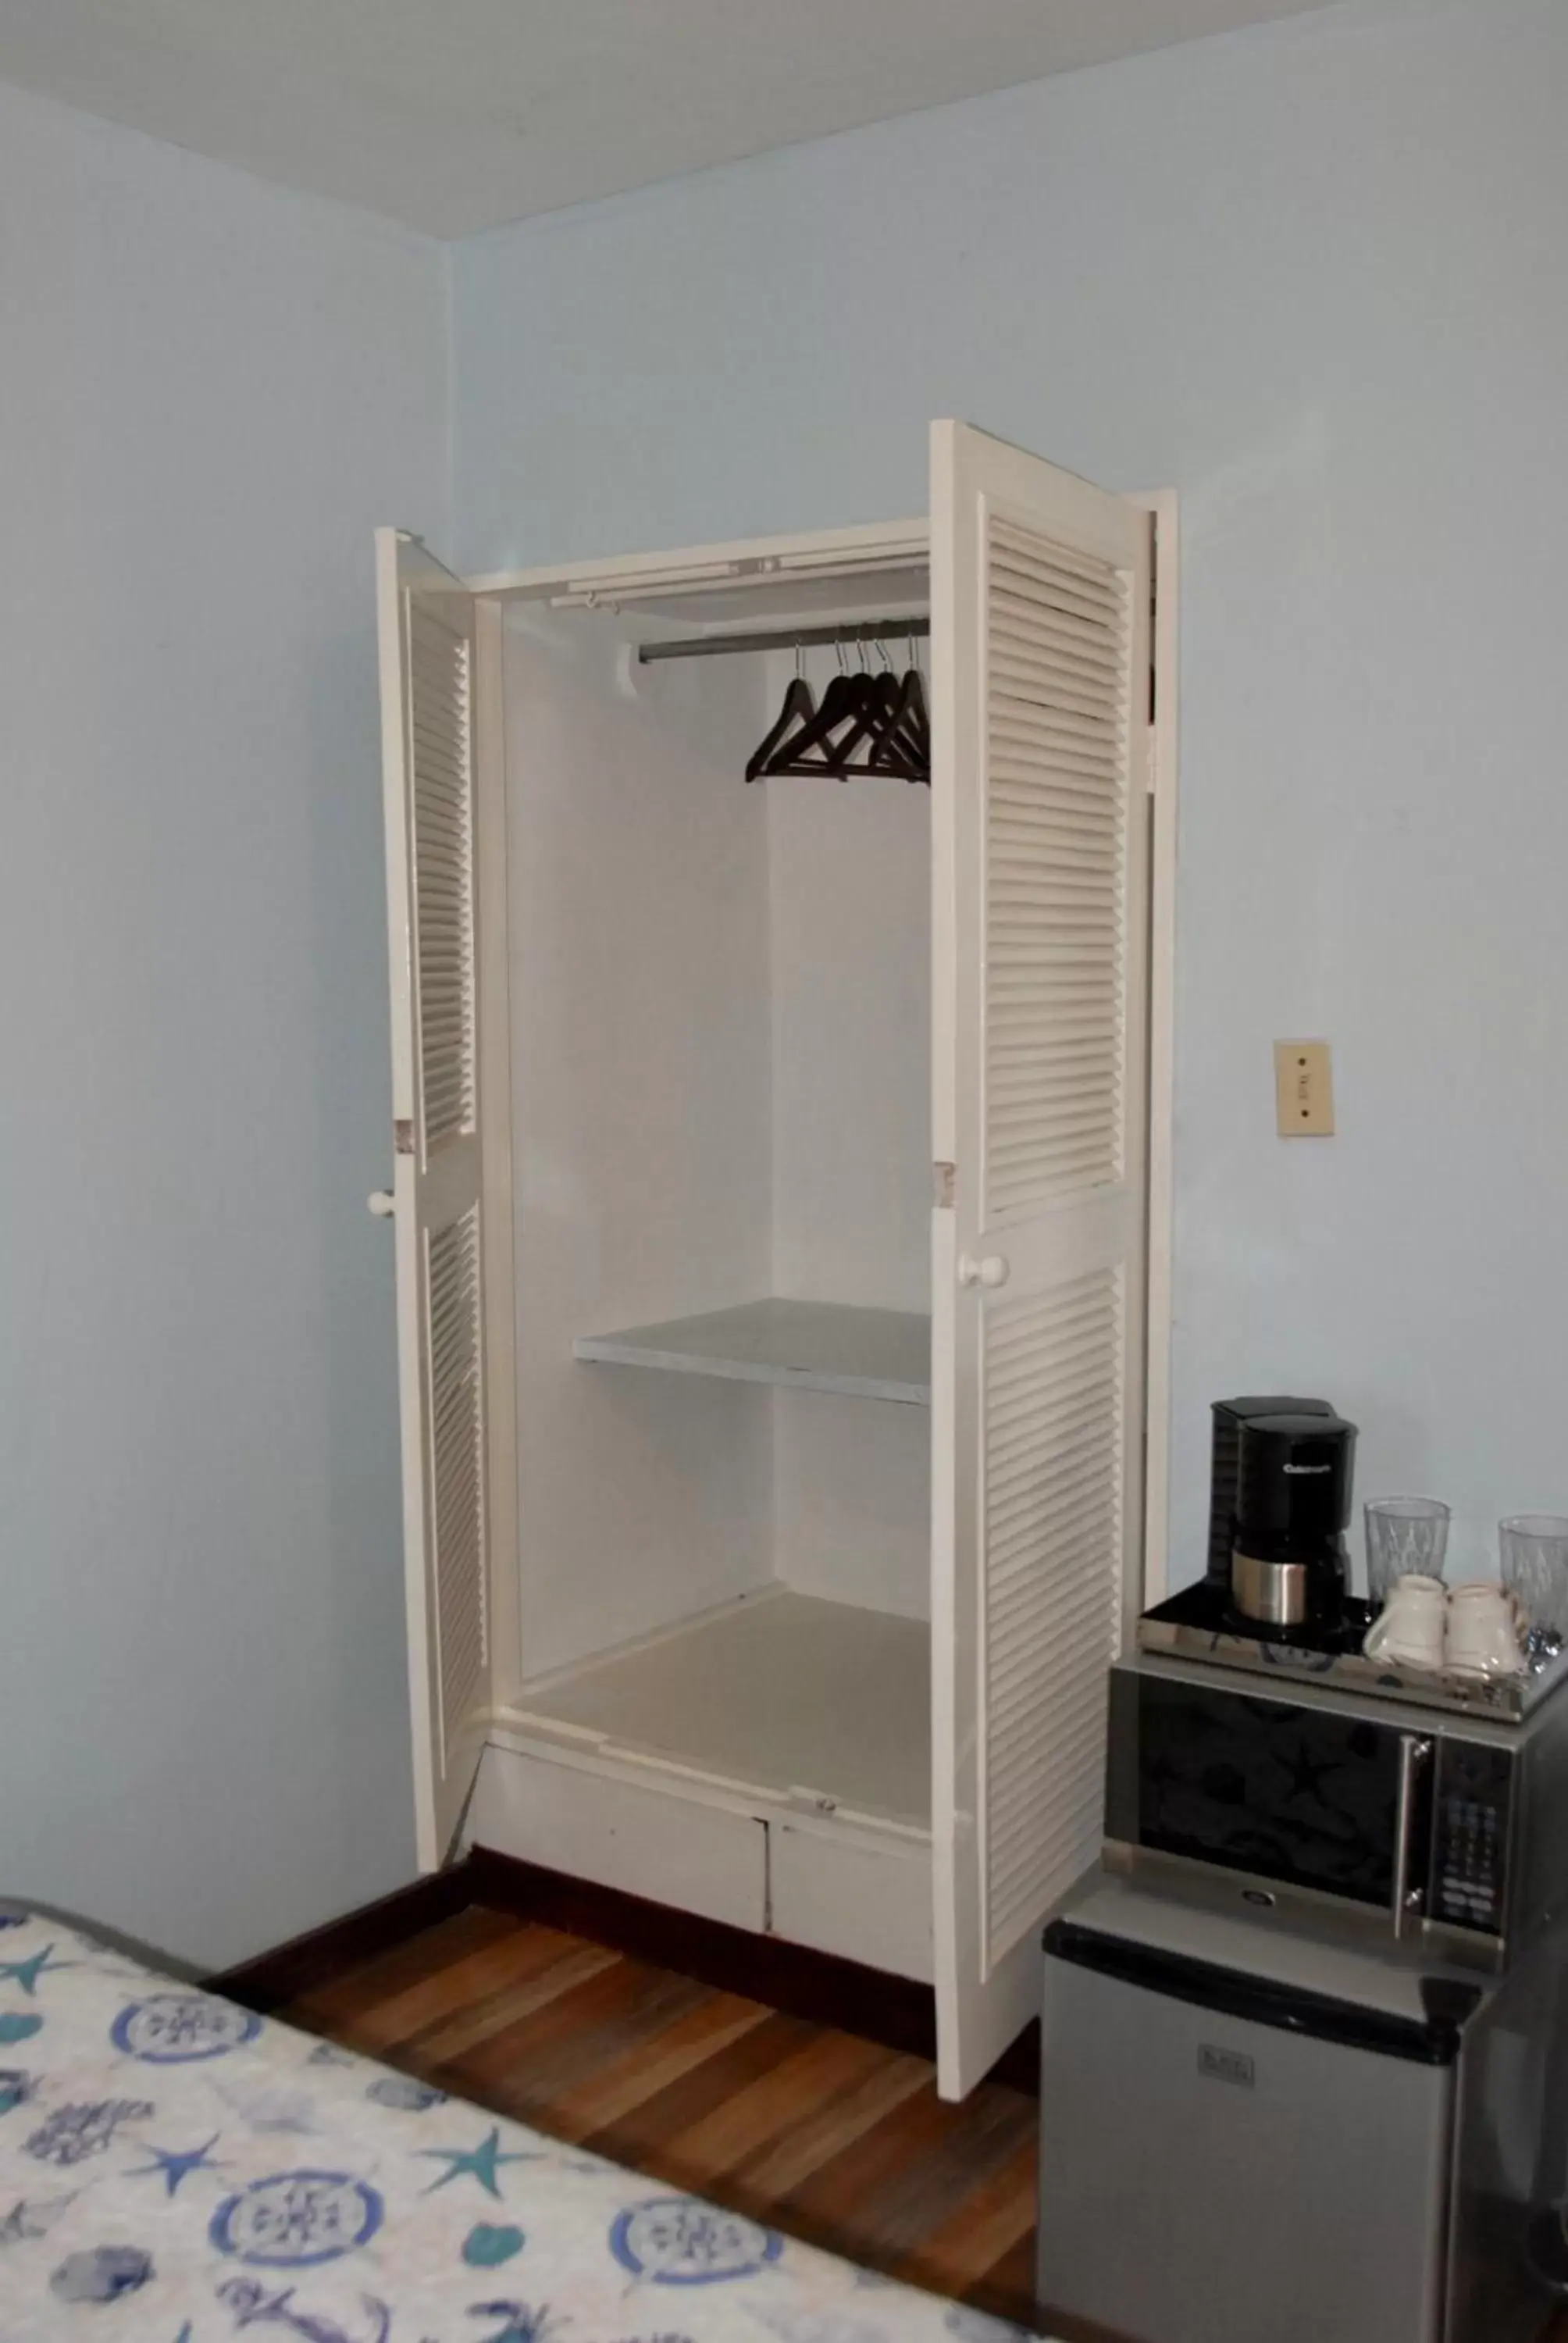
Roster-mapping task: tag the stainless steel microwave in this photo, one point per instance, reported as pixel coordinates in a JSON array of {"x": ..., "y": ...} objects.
[{"x": 1445, "y": 1828}]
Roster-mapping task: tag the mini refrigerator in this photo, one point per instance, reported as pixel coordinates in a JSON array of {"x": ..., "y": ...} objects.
[{"x": 1256, "y": 2129}]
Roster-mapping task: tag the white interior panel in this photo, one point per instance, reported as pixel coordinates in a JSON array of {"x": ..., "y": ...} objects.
[
  {"x": 826, "y": 1346},
  {"x": 849, "y": 888},
  {"x": 852, "y": 1501},
  {"x": 781, "y": 1694},
  {"x": 848, "y": 1895},
  {"x": 645, "y": 1842},
  {"x": 889, "y": 584},
  {"x": 642, "y": 1110},
  {"x": 721, "y": 1018}
]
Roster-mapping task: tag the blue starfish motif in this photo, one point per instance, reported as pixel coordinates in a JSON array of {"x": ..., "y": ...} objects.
[
  {"x": 27, "y": 1973},
  {"x": 175, "y": 2164},
  {"x": 480, "y": 2162}
]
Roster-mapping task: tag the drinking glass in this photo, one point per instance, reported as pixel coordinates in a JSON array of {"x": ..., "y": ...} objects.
[
  {"x": 1406, "y": 1537},
  {"x": 1535, "y": 1551}
]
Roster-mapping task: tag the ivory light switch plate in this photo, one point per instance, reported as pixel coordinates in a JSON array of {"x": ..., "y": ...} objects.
[{"x": 1304, "y": 1089}]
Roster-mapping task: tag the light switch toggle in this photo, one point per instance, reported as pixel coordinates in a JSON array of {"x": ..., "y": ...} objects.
[{"x": 1304, "y": 1089}]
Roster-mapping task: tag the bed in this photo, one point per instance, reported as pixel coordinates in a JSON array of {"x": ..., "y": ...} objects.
[{"x": 177, "y": 2169}]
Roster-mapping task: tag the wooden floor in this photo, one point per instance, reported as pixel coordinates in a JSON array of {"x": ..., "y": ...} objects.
[{"x": 826, "y": 2136}]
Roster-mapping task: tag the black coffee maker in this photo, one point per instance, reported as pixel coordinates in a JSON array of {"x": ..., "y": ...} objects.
[{"x": 1281, "y": 1505}]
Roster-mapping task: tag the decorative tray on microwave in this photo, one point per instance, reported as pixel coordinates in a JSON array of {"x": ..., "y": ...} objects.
[{"x": 1198, "y": 1623}]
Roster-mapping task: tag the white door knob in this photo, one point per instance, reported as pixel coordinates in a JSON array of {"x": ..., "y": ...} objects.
[
  {"x": 382, "y": 1203},
  {"x": 991, "y": 1269}
]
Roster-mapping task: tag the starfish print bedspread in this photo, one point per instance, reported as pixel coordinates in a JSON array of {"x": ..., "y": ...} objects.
[{"x": 175, "y": 2169}]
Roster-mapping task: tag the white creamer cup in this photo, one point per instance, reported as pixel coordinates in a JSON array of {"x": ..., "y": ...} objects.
[
  {"x": 1485, "y": 1624},
  {"x": 1412, "y": 1627}
]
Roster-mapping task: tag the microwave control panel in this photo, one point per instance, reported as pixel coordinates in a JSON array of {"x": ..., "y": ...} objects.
[{"x": 1470, "y": 1836}]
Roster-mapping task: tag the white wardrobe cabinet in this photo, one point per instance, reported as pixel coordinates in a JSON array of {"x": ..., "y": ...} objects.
[{"x": 772, "y": 1191}]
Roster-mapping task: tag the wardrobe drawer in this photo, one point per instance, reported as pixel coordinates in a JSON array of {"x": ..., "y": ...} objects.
[
  {"x": 670, "y": 1847},
  {"x": 851, "y": 1895}
]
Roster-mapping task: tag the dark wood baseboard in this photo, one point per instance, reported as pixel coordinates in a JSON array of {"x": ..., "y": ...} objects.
[
  {"x": 821, "y": 1988},
  {"x": 802, "y": 1981},
  {"x": 274, "y": 1978},
  {"x": 793, "y": 1978}
]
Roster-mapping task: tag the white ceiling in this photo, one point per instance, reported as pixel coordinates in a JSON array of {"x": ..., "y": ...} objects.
[{"x": 456, "y": 115}]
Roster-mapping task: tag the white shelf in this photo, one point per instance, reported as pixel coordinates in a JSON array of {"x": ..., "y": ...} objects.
[
  {"x": 825, "y": 1346},
  {"x": 784, "y": 1691}
]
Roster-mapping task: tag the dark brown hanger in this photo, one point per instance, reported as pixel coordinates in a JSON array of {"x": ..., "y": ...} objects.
[
  {"x": 866, "y": 724},
  {"x": 905, "y": 745},
  {"x": 799, "y": 710}
]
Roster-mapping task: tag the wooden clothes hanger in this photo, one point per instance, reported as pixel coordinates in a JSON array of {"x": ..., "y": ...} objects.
[
  {"x": 816, "y": 749},
  {"x": 866, "y": 724},
  {"x": 905, "y": 745},
  {"x": 799, "y": 710}
]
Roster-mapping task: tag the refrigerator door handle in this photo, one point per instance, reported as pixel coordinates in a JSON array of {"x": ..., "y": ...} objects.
[{"x": 1415, "y": 1756}]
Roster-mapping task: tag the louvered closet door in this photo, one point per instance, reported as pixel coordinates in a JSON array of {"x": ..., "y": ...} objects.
[
  {"x": 1041, "y": 591},
  {"x": 427, "y": 704}
]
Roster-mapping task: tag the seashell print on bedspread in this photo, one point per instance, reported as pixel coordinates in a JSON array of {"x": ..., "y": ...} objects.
[{"x": 174, "y": 2169}]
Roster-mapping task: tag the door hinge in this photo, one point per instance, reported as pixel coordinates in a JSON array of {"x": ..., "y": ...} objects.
[
  {"x": 403, "y": 1136},
  {"x": 945, "y": 1180}
]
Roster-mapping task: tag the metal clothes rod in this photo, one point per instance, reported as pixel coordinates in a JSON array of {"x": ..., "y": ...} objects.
[{"x": 788, "y": 638}]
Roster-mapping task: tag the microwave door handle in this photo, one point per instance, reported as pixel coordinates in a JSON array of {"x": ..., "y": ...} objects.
[{"x": 1414, "y": 1753}]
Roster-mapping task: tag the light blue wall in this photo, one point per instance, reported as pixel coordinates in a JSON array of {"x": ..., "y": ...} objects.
[
  {"x": 211, "y": 391},
  {"x": 1312, "y": 277}
]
